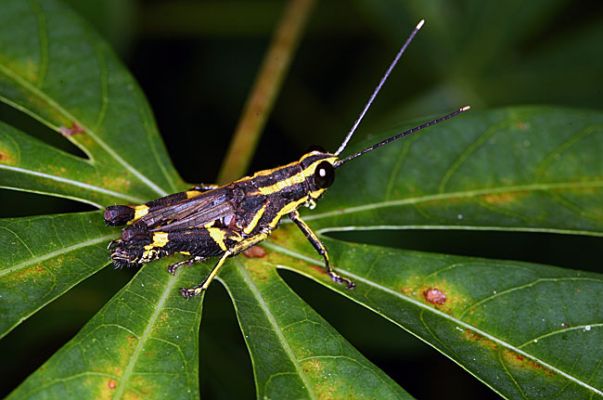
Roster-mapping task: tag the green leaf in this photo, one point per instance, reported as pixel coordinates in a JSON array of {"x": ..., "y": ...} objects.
[
  {"x": 523, "y": 169},
  {"x": 30, "y": 165},
  {"x": 526, "y": 330},
  {"x": 56, "y": 69},
  {"x": 295, "y": 353},
  {"x": 143, "y": 343},
  {"x": 44, "y": 258}
]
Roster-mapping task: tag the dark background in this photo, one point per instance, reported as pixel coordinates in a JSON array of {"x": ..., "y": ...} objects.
[{"x": 196, "y": 61}]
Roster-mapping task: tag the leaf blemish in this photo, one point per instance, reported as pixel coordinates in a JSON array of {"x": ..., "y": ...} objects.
[
  {"x": 73, "y": 130},
  {"x": 111, "y": 384},
  {"x": 255, "y": 252},
  {"x": 6, "y": 158},
  {"x": 434, "y": 296},
  {"x": 501, "y": 198},
  {"x": 319, "y": 269},
  {"x": 518, "y": 360},
  {"x": 476, "y": 337}
]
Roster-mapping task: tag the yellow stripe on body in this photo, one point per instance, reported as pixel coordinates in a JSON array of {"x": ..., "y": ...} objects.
[
  {"x": 139, "y": 212},
  {"x": 311, "y": 168},
  {"x": 286, "y": 210},
  {"x": 160, "y": 239},
  {"x": 293, "y": 179},
  {"x": 219, "y": 236},
  {"x": 254, "y": 221},
  {"x": 191, "y": 194},
  {"x": 283, "y": 184}
]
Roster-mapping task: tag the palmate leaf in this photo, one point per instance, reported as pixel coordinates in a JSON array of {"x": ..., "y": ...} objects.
[
  {"x": 129, "y": 348},
  {"x": 58, "y": 71},
  {"x": 516, "y": 169},
  {"x": 529, "y": 168},
  {"x": 295, "y": 353},
  {"x": 527, "y": 331},
  {"x": 44, "y": 257}
]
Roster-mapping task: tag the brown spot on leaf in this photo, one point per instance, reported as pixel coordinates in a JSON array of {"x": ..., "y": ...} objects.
[
  {"x": 522, "y": 125},
  {"x": 117, "y": 182},
  {"x": 73, "y": 130},
  {"x": 476, "y": 337},
  {"x": 319, "y": 269},
  {"x": 519, "y": 361},
  {"x": 312, "y": 366},
  {"x": 501, "y": 198},
  {"x": 434, "y": 296},
  {"x": 111, "y": 384},
  {"x": 255, "y": 252},
  {"x": 6, "y": 158}
]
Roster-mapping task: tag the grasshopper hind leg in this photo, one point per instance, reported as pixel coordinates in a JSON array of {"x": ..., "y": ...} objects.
[{"x": 200, "y": 288}]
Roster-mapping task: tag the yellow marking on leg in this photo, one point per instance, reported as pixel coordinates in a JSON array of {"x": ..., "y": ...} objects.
[
  {"x": 292, "y": 206},
  {"x": 186, "y": 253},
  {"x": 247, "y": 243},
  {"x": 218, "y": 235},
  {"x": 198, "y": 290},
  {"x": 214, "y": 271},
  {"x": 254, "y": 221}
]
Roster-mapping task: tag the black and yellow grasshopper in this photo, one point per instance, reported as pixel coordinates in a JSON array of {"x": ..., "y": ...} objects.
[{"x": 223, "y": 221}]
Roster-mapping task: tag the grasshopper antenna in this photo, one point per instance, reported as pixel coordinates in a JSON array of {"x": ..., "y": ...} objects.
[
  {"x": 403, "y": 134},
  {"x": 379, "y": 86}
]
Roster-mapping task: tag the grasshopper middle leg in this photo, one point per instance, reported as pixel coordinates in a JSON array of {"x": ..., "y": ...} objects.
[{"x": 320, "y": 248}]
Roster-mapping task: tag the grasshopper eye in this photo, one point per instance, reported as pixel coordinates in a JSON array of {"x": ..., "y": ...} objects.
[{"x": 324, "y": 175}]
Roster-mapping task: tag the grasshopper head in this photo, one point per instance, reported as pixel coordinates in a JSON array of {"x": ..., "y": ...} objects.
[{"x": 319, "y": 171}]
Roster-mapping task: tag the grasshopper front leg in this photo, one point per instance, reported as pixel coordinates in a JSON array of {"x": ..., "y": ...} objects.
[
  {"x": 320, "y": 248},
  {"x": 234, "y": 250}
]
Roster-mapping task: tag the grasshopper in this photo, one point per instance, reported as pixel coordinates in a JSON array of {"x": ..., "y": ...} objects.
[{"x": 223, "y": 221}]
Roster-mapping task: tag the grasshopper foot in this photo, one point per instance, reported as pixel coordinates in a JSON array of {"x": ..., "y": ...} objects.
[
  {"x": 187, "y": 293},
  {"x": 341, "y": 280}
]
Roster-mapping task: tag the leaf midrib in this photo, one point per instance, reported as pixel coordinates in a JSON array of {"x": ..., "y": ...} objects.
[
  {"x": 425, "y": 308},
  {"x": 79, "y": 184},
  {"x": 457, "y": 195},
  {"x": 146, "y": 334},
  {"x": 52, "y": 254},
  {"x": 51, "y": 102},
  {"x": 284, "y": 344}
]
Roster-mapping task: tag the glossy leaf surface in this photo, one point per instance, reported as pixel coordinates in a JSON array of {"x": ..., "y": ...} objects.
[
  {"x": 529, "y": 168},
  {"x": 143, "y": 343},
  {"x": 295, "y": 353},
  {"x": 526, "y": 330},
  {"x": 57, "y": 70},
  {"x": 44, "y": 257}
]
